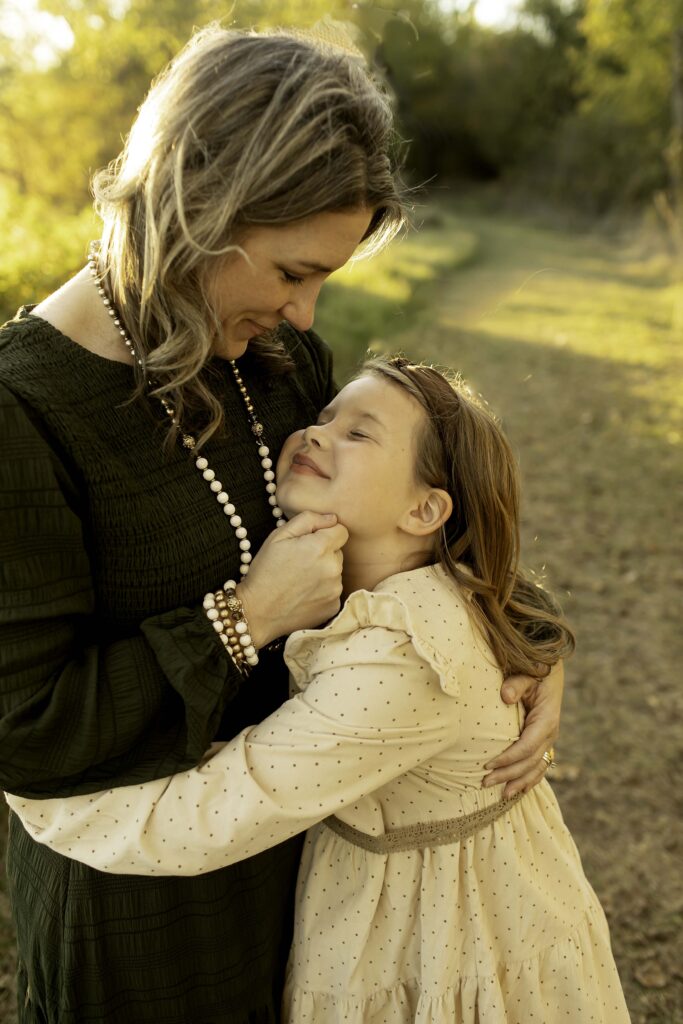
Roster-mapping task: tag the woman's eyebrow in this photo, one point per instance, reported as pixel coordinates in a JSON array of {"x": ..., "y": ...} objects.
[{"x": 313, "y": 266}]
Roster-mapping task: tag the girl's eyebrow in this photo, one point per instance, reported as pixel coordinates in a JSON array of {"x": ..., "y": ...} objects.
[
  {"x": 361, "y": 414},
  {"x": 375, "y": 419}
]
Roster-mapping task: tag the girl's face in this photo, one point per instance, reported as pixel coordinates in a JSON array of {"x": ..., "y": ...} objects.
[
  {"x": 281, "y": 276},
  {"x": 358, "y": 461}
]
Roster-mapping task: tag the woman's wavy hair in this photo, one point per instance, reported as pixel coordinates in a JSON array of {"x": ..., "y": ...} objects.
[
  {"x": 242, "y": 128},
  {"x": 462, "y": 449}
]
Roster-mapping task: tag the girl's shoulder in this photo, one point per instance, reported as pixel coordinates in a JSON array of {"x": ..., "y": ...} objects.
[{"x": 421, "y": 613}]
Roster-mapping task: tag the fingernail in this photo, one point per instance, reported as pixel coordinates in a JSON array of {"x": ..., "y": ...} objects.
[{"x": 487, "y": 782}]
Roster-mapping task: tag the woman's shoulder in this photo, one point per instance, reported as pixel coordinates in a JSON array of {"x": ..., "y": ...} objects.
[{"x": 25, "y": 358}]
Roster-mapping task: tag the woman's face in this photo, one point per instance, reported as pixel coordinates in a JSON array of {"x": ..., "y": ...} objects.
[
  {"x": 358, "y": 461},
  {"x": 282, "y": 275}
]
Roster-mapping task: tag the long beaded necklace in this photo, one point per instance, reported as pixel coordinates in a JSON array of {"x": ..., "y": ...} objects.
[{"x": 189, "y": 442}]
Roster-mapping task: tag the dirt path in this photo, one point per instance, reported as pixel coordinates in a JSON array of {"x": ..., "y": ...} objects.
[{"x": 569, "y": 339}]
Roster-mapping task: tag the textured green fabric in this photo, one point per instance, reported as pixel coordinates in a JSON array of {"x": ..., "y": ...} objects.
[{"x": 110, "y": 674}]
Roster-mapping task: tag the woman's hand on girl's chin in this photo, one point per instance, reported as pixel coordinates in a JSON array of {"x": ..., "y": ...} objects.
[
  {"x": 522, "y": 766},
  {"x": 295, "y": 580}
]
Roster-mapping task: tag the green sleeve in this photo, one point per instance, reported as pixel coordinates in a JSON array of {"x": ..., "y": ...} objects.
[{"x": 76, "y": 716}]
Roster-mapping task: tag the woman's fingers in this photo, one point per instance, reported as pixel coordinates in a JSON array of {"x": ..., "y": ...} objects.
[
  {"x": 526, "y": 782},
  {"x": 295, "y": 579},
  {"x": 535, "y": 739},
  {"x": 307, "y": 522},
  {"x": 516, "y": 688}
]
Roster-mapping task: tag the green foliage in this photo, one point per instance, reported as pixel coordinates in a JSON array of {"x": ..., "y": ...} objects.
[
  {"x": 613, "y": 146},
  {"x": 574, "y": 101}
]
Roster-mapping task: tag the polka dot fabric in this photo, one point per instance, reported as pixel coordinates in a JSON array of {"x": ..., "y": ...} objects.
[
  {"x": 502, "y": 928},
  {"x": 396, "y": 709}
]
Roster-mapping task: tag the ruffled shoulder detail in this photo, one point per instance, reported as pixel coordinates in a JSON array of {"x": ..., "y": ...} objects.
[{"x": 385, "y": 609}]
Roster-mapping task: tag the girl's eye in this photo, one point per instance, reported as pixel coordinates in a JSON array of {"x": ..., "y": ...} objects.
[
  {"x": 291, "y": 279},
  {"x": 357, "y": 433}
]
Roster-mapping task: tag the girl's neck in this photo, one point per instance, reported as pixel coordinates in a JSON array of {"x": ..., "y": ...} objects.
[{"x": 368, "y": 562}]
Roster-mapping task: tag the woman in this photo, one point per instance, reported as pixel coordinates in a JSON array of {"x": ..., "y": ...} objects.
[
  {"x": 256, "y": 166},
  {"x": 423, "y": 898}
]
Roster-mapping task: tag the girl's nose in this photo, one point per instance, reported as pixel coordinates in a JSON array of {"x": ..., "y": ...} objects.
[{"x": 315, "y": 436}]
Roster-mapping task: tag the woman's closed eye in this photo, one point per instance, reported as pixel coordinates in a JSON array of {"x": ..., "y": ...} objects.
[{"x": 292, "y": 278}]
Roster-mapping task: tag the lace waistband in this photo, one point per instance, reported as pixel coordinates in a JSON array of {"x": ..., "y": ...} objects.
[{"x": 426, "y": 833}]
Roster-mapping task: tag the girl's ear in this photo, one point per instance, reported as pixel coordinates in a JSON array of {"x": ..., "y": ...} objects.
[{"x": 429, "y": 515}]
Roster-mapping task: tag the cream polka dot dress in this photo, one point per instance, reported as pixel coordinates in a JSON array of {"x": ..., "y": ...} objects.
[{"x": 396, "y": 710}]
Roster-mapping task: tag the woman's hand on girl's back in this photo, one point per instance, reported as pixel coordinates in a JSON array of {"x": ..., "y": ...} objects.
[
  {"x": 295, "y": 580},
  {"x": 521, "y": 766}
]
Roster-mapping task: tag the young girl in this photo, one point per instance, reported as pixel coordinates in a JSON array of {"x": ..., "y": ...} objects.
[{"x": 422, "y": 896}]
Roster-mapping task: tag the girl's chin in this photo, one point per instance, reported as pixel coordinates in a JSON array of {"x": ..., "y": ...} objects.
[{"x": 291, "y": 510}]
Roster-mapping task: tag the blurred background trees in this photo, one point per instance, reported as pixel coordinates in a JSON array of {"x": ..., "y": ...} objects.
[{"x": 572, "y": 101}]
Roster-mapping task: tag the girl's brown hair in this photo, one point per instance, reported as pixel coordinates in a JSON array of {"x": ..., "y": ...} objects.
[
  {"x": 242, "y": 128},
  {"x": 463, "y": 450}
]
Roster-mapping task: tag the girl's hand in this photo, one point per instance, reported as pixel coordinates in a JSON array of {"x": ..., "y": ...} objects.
[
  {"x": 295, "y": 580},
  {"x": 522, "y": 766}
]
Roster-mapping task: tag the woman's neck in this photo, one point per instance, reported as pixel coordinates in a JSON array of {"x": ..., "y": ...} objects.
[{"x": 368, "y": 561}]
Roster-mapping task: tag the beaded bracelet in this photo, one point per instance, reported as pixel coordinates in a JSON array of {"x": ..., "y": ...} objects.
[{"x": 224, "y": 609}]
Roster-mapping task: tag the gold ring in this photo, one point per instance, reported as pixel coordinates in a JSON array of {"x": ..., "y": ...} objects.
[{"x": 549, "y": 757}]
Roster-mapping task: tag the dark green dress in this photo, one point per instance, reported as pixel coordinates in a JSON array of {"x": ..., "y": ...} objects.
[{"x": 111, "y": 674}]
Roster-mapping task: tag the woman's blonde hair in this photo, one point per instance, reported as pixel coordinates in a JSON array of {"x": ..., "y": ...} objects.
[
  {"x": 463, "y": 450},
  {"x": 242, "y": 128}
]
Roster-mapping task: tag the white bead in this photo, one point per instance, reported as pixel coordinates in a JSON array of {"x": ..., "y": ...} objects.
[
  {"x": 269, "y": 475},
  {"x": 252, "y": 659},
  {"x": 229, "y": 585},
  {"x": 216, "y": 486},
  {"x": 245, "y": 544},
  {"x": 245, "y": 557},
  {"x": 209, "y": 601},
  {"x": 222, "y": 497},
  {"x": 277, "y": 512},
  {"x": 201, "y": 463},
  {"x": 212, "y": 614},
  {"x": 218, "y": 626},
  {"x": 250, "y": 651},
  {"x": 281, "y": 522},
  {"x": 272, "y": 500},
  {"x": 270, "y": 488},
  {"x": 241, "y": 532},
  {"x": 235, "y": 521},
  {"x": 241, "y": 627},
  {"x": 245, "y": 640},
  {"x": 229, "y": 509},
  {"x": 267, "y": 463},
  {"x": 224, "y": 638},
  {"x": 244, "y": 569},
  {"x": 264, "y": 451},
  {"x": 208, "y": 474}
]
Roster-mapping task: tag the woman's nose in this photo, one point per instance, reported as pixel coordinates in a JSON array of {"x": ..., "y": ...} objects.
[{"x": 299, "y": 310}]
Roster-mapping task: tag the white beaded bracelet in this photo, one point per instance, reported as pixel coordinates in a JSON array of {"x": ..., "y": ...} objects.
[{"x": 225, "y": 612}]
